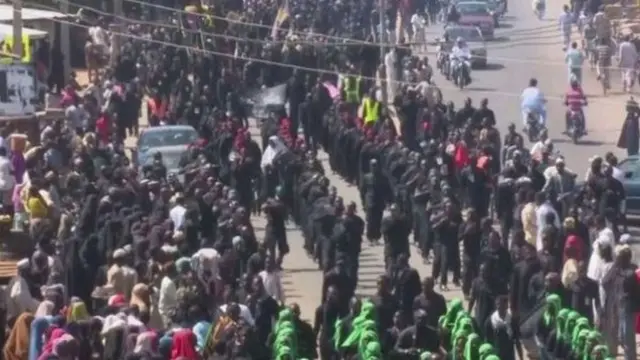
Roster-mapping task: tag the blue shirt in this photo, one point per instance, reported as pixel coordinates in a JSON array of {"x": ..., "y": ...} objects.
[
  {"x": 532, "y": 99},
  {"x": 574, "y": 58}
]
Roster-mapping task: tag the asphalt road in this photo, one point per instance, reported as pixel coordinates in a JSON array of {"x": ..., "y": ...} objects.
[{"x": 525, "y": 47}]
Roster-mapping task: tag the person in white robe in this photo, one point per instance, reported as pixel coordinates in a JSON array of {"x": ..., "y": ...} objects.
[
  {"x": 275, "y": 148},
  {"x": 18, "y": 297},
  {"x": 604, "y": 238}
]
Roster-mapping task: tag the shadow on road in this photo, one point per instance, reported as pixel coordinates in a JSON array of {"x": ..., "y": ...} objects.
[
  {"x": 492, "y": 67},
  {"x": 583, "y": 141}
]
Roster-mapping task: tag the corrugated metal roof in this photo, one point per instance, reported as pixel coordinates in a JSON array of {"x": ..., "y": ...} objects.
[
  {"x": 6, "y": 29},
  {"x": 6, "y": 13}
]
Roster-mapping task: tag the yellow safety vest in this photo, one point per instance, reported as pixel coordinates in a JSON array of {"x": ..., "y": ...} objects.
[
  {"x": 352, "y": 89},
  {"x": 8, "y": 47},
  {"x": 371, "y": 108}
]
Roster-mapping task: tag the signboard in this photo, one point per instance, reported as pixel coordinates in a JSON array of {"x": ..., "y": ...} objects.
[{"x": 18, "y": 93}]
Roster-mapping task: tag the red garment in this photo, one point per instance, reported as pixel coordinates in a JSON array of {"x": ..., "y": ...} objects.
[
  {"x": 48, "y": 347},
  {"x": 576, "y": 243},
  {"x": 575, "y": 99},
  {"x": 103, "y": 129},
  {"x": 461, "y": 156},
  {"x": 184, "y": 345}
]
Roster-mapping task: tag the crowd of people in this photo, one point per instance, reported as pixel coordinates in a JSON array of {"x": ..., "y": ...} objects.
[{"x": 134, "y": 262}]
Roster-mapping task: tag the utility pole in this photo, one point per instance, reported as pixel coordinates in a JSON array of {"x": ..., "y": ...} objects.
[
  {"x": 17, "y": 29},
  {"x": 382, "y": 39},
  {"x": 65, "y": 41},
  {"x": 116, "y": 28}
]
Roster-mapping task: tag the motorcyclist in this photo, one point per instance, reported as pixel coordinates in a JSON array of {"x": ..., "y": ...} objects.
[
  {"x": 453, "y": 16},
  {"x": 575, "y": 99},
  {"x": 533, "y": 102},
  {"x": 459, "y": 54}
]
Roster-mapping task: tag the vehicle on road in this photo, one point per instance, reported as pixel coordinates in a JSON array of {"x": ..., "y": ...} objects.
[
  {"x": 534, "y": 127},
  {"x": 474, "y": 39},
  {"x": 576, "y": 128},
  {"x": 477, "y": 13},
  {"x": 630, "y": 168},
  {"x": 497, "y": 9},
  {"x": 170, "y": 141}
]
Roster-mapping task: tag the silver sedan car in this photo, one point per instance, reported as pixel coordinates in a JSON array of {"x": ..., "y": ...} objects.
[{"x": 170, "y": 141}]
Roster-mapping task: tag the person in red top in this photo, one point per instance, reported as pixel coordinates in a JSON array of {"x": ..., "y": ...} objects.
[{"x": 575, "y": 99}]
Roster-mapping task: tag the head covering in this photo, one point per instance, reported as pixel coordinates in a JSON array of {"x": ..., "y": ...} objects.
[
  {"x": 184, "y": 345},
  {"x": 581, "y": 324},
  {"x": 49, "y": 345},
  {"x": 457, "y": 337},
  {"x": 561, "y": 322},
  {"x": 471, "y": 347},
  {"x": 45, "y": 309},
  {"x": 572, "y": 320},
  {"x": 17, "y": 345},
  {"x": 201, "y": 329},
  {"x": 599, "y": 349},
  {"x": 372, "y": 351},
  {"x": 164, "y": 346},
  {"x": 146, "y": 343},
  {"x": 77, "y": 311},
  {"x": 426, "y": 355},
  {"x": 485, "y": 351},
  {"x": 590, "y": 342},
  {"x": 183, "y": 264},
  {"x": 119, "y": 254},
  {"x": 448, "y": 319},
  {"x": 117, "y": 300},
  {"x": 139, "y": 293},
  {"x": 578, "y": 345},
  {"x": 36, "y": 343},
  {"x": 367, "y": 312},
  {"x": 23, "y": 264},
  {"x": 464, "y": 324},
  {"x": 554, "y": 302}
]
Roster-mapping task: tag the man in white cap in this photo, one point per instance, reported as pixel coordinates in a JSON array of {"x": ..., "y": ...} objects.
[
  {"x": 559, "y": 179},
  {"x": 18, "y": 297}
]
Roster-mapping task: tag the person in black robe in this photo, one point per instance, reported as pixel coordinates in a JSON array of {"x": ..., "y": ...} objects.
[
  {"x": 338, "y": 277},
  {"x": 418, "y": 338},
  {"x": 483, "y": 296},
  {"x": 386, "y": 304},
  {"x": 395, "y": 230},
  {"x": 306, "y": 346},
  {"x": 524, "y": 270},
  {"x": 629, "y": 138},
  {"x": 431, "y": 302},
  {"x": 374, "y": 192},
  {"x": 390, "y": 336},
  {"x": 471, "y": 237},
  {"x": 406, "y": 283},
  {"x": 326, "y": 316},
  {"x": 502, "y": 331},
  {"x": 264, "y": 309},
  {"x": 585, "y": 293}
]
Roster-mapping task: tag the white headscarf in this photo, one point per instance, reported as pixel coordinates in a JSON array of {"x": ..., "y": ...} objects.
[
  {"x": 275, "y": 148},
  {"x": 45, "y": 309}
]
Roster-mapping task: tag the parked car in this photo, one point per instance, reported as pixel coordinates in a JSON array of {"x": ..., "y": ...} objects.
[{"x": 476, "y": 13}]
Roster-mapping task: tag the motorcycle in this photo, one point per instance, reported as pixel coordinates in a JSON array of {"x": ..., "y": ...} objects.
[
  {"x": 534, "y": 127},
  {"x": 462, "y": 73},
  {"x": 575, "y": 125}
]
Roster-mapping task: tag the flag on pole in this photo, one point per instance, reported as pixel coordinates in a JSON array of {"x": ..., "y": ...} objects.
[{"x": 282, "y": 15}]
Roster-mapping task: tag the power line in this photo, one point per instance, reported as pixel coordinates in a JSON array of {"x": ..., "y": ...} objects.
[
  {"x": 303, "y": 68},
  {"x": 343, "y": 39}
]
